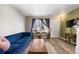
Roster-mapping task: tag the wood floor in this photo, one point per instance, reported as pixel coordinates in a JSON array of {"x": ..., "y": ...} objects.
[
  {"x": 55, "y": 46},
  {"x": 59, "y": 46},
  {"x": 38, "y": 47}
]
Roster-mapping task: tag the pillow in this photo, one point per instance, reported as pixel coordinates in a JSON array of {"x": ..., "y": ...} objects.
[{"x": 4, "y": 43}]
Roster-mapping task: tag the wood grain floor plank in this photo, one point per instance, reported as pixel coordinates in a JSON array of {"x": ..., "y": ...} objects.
[
  {"x": 54, "y": 46},
  {"x": 61, "y": 47}
]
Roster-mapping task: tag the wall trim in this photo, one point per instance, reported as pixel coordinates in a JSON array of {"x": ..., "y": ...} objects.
[
  {"x": 62, "y": 38},
  {"x": 58, "y": 38}
]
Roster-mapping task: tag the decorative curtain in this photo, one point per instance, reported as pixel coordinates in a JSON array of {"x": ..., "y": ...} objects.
[
  {"x": 33, "y": 21},
  {"x": 42, "y": 24},
  {"x": 47, "y": 21},
  {"x": 46, "y": 25}
]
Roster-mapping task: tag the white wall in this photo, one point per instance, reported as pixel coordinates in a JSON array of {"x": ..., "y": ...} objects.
[
  {"x": 54, "y": 27},
  {"x": 11, "y": 21}
]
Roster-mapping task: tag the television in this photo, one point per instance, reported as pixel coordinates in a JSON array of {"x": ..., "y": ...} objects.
[{"x": 71, "y": 23}]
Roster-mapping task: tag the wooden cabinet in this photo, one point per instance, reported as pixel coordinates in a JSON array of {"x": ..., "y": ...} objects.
[{"x": 71, "y": 38}]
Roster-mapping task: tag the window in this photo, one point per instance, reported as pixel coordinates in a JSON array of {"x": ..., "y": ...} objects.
[{"x": 40, "y": 25}]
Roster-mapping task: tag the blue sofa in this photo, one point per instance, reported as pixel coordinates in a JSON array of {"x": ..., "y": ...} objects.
[{"x": 18, "y": 42}]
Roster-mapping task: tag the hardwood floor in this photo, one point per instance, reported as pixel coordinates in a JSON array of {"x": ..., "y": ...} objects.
[
  {"x": 59, "y": 46},
  {"x": 54, "y": 46},
  {"x": 38, "y": 47}
]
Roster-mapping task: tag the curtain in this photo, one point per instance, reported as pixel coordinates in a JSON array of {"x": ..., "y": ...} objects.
[
  {"x": 44, "y": 22},
  {"x": 47, "y": 21},
  {"x": 46, "y": 25},
  {"x": 33, "y": 20},
  {"x": 36, "y": 25}
]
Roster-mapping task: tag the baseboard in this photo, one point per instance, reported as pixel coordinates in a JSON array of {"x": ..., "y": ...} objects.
[
  {"x": 62, "y": 38},
  {"x": 66, "y": 40},
  {"x": 58, "y": 38},
  {"x": 54, "y": 38}
]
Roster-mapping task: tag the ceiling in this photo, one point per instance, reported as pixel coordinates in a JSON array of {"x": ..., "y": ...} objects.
[{"x": 44, "y": 9}]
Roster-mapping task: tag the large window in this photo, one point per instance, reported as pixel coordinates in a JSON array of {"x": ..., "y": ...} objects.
[
  {"x": 40, "y": 25},
  {"x": 37, "y": 25}
]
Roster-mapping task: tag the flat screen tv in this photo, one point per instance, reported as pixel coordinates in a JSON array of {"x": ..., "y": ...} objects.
[{"x": 70, "y": 23}]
